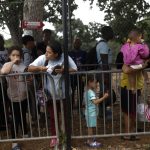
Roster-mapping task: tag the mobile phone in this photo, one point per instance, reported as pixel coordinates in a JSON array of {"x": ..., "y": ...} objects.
[{"x": 54, "y": 72}]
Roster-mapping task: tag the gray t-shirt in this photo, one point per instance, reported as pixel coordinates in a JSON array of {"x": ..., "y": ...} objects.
[{"x": 16, "y": 84}]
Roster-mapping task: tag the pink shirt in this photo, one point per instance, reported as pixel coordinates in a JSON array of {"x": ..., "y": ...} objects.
[{"x": 134, "y": 54}]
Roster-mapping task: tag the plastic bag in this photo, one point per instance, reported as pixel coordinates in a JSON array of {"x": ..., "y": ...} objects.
[{"x": 143, "y": 112}]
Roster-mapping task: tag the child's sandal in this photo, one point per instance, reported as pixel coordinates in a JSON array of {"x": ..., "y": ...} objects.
[{"x": 17, "y": 147}]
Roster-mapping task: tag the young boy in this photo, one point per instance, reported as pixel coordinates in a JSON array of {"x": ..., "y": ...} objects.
[{"x": 91, "y": 102}]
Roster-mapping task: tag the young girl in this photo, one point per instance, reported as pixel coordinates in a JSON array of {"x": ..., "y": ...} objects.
[
  {"x": 90, "y": 107},
  {"x": 134, "y": 53},
  {"x": 16, "y": 92}
]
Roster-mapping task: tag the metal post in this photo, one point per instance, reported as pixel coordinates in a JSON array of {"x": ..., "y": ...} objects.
[
  {"x": 69, "y": 24},
  {"x": 66, "y": 72}
]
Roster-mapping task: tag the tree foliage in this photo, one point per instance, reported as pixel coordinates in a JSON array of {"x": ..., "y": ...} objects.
[
  {"x": 11, "y": 13},
  {"x": 53, "y": 10},
  {"x": 145, "y": 26},
  {"x": 89, "y": 34},
  {"x": 123, "y": 15}
]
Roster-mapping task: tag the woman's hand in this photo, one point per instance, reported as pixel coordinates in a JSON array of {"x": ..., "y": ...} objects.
[
  {"x": 127, "y": 69},
  {"x": 146, "y": 63},
  {"x": 43, "y": 68}
]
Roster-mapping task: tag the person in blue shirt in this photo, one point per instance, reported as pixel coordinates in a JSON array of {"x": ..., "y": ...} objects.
[
  {"x": 91, "y": 109},
  {"x": 104, "y": 57}
]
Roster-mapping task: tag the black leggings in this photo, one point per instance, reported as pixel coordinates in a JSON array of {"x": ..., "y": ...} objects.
[{"x": 19, "y": 110}]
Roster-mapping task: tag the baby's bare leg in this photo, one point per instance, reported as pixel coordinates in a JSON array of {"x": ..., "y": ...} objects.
[{"x": 132, "y": 81}]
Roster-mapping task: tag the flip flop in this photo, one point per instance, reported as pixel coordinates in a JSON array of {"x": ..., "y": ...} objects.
[
  {"x": 17, "y": 147},
  {"x": 94, "y": 144}
]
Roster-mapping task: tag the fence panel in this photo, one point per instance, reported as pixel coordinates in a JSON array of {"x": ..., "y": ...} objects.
[
  {"x": 25, "y": 107},
  {"x": 110, "y": 120}
]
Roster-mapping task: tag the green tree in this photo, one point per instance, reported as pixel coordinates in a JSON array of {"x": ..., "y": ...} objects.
[
  {"x": 145, "y": 26},
  {"x": 87, "y": 33},
  {"x": 33, "y": 10},
  {"x": 123, "y": 15},
  {"x": 11, "y": 13}
]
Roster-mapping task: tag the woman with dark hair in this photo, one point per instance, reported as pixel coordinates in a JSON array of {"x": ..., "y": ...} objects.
[
  {"x": 129, "y": 99},
  {"x": 52, "y": 62}
]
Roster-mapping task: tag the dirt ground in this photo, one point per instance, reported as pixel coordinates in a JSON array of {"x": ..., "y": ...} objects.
[
  {"x": 115, "y": 143},
  {"x": 79, "y": 128}
]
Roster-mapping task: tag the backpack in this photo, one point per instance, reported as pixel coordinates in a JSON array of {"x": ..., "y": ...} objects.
[
  {"x": 91, "y": 59},
  {"x": 119, "y": 60}
]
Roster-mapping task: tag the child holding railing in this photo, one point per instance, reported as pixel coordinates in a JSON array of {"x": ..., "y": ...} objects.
[
  {"x": 17, "y": 93},
  {"x": 91, "y": 102}
]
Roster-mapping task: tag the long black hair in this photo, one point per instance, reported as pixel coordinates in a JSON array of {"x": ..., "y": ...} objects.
[{"x": 56, "y": 48}]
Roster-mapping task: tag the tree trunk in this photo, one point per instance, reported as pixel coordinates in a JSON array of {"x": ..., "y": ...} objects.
[
  {"x": 33, "y": 11},
  {"x": 12, "y": 18},
  {"x": 16, "y": 33}
]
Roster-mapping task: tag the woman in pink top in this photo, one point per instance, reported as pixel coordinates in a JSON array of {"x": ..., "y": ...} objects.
[{"x": 134, "y": 54}]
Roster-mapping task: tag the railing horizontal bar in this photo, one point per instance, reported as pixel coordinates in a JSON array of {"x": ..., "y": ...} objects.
[
  {"x": 27, "y": 139},
  {"x": 110, "y": 135}
]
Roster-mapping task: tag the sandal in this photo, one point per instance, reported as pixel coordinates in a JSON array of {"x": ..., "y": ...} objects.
[
  {"x": 53, "y": 142},
  {"x": 17, "y": 147},
  {"x": 94, "y": 144}
]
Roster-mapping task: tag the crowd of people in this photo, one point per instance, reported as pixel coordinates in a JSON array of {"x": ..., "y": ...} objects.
[{"x": 47, "y": 56}]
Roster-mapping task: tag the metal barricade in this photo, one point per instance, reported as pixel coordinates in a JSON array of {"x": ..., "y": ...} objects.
[
  {"x": 110, "y": 122},
  {"x": 27, "y": 119}
]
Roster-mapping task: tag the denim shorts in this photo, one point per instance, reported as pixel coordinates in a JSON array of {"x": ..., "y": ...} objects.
[{"x": 91, "y": 121}]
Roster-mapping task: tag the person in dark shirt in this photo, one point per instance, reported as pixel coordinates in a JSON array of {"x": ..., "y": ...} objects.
[
  {"x": 3, "y": 90},
  {"x": 79, "y": 57},
  {"x": 3, "y": 52},
  {"x": 28, "y": 57},
  {"x": 77, "y": 54},
  {"x": 41, "y": 46},
  {"x": 28, "y": 46}
]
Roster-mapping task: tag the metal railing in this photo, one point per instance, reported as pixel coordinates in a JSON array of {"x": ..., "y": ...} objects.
[
  {"x": 109, "y": 121},
  {"x": 36, "y": 111}
]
